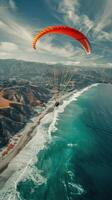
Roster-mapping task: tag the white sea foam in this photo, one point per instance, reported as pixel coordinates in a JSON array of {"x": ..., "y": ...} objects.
[
  {"x": 75, "y": 188},
  {"x": 71, "y": 145},
  {"x": 22, "y": 164},
  {"x": 61, "y": 108}
]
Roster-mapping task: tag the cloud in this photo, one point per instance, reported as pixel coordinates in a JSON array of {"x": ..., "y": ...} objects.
[
  {"x": 8, "y": 50},
  {"x": 74, "y": 63},
  {"x": 105, "y": 19},
  {"x": 109, "y": 64},
  {"x": 8, "y": 46},
  {"x": 98, "y": 29},
  {"x": 17, "y": 36},
  {"x": 10, "y": 25},
  {"x": 12, "y": 5},
  {"x": 104, "y": 36},
  {"x": 64, "y": 50},
  {"x": 102, "y": 29},
  {"x": 71, "y": 14},
  {"x": 69, "y": 11}
]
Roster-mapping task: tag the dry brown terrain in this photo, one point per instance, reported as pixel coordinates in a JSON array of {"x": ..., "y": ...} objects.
[{"x": 5, "y": 103}]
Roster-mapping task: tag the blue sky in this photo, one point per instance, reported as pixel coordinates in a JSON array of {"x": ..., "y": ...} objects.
[{"x": 20, "y": 20}]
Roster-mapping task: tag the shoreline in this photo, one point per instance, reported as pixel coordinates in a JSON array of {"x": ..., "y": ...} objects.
[
  {"x": 27, "y": 133},
  {"x": 26, "y": 136}
]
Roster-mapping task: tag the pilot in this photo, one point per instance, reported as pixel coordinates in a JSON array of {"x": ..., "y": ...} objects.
[{"x": 57, "y": 104}]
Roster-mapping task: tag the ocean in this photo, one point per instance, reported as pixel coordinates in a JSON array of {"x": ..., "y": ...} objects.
[{"x": 70, "y": 156}]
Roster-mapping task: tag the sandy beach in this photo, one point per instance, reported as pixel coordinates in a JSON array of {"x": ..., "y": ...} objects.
[{"x": 26, "y": 134}]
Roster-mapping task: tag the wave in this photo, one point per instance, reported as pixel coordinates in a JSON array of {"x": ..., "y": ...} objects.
[
  {"x": 72, "y": 188},
  {"x": 71, "y": 145},
  {"x": 60, "y": 109},
  {"x": 21, "y": 166}
]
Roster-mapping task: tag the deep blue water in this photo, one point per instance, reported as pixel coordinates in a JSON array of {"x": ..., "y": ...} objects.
[{"x": 77, "y": 164}]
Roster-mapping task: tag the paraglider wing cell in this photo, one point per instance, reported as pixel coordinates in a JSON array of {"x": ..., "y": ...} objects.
[{"x": 69, "y": 31}]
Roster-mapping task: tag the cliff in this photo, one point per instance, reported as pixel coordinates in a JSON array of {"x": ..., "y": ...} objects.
[{"x": 17, "y": 103}]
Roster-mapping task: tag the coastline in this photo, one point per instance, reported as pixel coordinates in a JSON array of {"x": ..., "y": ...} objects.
[
  {"x": 15, "y": 165},
  {"x": 27, "y": 133}
]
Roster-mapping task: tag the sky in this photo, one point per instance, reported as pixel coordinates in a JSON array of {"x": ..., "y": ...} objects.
[{"x": 21, "y": 20}]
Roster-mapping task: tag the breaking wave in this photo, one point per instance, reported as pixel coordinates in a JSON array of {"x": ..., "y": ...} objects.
[
  {"x": 22, "y": 168},
  {"x": 52, "y": 128}
]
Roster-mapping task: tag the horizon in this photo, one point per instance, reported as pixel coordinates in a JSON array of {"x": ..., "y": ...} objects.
[{"x": 62, "y": 64}]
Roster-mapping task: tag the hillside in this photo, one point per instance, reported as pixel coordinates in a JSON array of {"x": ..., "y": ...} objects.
[
  {"x": 17, "y": 103},
  {"x": 25, "y": 85}
]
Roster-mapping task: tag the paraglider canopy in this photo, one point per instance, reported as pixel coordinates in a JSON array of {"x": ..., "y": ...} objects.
[
  {"x": 66, "y": 30},
  {"x": 62, "y": 81}
]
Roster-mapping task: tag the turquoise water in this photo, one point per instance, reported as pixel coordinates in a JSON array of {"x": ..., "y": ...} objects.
[{"x": 77, "y": 163}]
